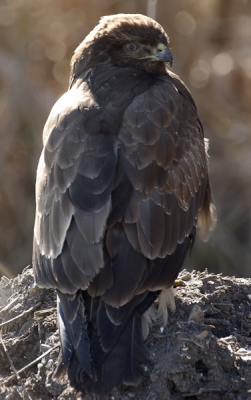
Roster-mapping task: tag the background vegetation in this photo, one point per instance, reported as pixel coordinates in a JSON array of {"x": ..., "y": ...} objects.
[{"x": 211, "y": 45}]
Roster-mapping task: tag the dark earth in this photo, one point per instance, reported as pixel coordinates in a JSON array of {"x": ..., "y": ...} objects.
[{"x": 204, "y": 352}]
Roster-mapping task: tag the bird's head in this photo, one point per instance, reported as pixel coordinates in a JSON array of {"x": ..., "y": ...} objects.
[{"x": 125, "y": 40}]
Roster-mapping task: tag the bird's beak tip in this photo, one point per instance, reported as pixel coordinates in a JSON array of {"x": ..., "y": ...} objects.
[{"x": 166, "y": 56}]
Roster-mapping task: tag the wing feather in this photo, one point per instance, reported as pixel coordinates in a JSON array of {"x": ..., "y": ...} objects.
[
  {"x": 168, "y": 178},
  {"x": 151, "y": 222},
  {"x": 128, "y": 267},
  {"x": 73, "y": 193}
]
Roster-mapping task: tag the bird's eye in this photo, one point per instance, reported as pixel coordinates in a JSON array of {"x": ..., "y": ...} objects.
[{"x": 131, "y": 47}]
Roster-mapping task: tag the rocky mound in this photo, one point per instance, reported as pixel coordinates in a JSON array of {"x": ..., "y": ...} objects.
[{"x": 203, "y": 353}]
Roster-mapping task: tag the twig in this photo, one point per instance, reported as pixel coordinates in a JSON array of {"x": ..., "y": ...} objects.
[
  {"x": 16, "y": 373},
  {"x": 28, "y": 365},
  {"x": 20, "y": 315}
]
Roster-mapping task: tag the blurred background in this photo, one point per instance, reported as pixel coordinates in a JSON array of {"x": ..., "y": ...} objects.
[{"x": 211, "y": 46}]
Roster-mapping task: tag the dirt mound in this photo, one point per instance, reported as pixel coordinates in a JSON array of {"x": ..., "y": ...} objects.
[{"x": 203, "y": 353}]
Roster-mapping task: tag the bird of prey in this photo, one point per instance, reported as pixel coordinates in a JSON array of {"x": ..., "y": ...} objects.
[{"x": 122, "y": 185}]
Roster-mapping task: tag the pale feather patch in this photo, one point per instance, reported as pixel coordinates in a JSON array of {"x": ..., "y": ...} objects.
[
  {"x": 158, "y": 316},
  {"x": 166, "y": 301},
  {"x": 147, "y": 320},
  {"x": 206, "y": 145},
  {"x": 207, "y": 217},
  {"x": 206, "y": 221}
]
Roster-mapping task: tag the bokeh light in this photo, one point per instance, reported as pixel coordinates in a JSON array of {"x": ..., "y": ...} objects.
[
  {"x": 199, "y": 74},
  {"x": 222, "y": 64},
  {"x": 184, "y": 23}
]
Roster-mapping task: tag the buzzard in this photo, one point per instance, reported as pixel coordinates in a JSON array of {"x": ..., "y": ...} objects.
[{"x": 122, "y": 185}]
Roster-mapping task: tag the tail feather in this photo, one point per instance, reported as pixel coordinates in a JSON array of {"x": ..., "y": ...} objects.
[
  {"x": 73, "y": 331},
  {"x": 102, "y": 350},
  {"x": 122, "y": 364},
  {"x": 136, "y": 354},
  {"x": 109, "y": 372},
  {"x": 110, "y": 329}
]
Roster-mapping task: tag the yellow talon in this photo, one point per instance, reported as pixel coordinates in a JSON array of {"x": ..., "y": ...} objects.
[{"x": 178, "y": 282}]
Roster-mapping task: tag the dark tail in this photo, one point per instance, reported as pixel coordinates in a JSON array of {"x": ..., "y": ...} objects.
[
  {"x": 74, "y": 337},
  {"x": 101, "y": 346}
]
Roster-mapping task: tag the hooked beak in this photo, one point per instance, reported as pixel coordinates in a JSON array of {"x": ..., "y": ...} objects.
[{"x": 164, "y": 54}]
